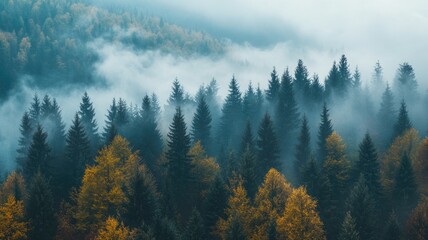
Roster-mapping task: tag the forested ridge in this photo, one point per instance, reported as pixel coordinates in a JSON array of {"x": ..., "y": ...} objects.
[
  {"x": 260, "y": 164},
  {"x": 50, "y": 40}
]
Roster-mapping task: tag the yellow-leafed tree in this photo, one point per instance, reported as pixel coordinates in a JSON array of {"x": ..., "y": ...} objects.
[
  {"x": 15, "y": 186},
  {"x": 407, "y": 143},
  {"x": 113, "y": 230},
  {"x": 102, "y": 192},
  {"x": 270, "y": 203},
  {"x": 239, "y": 210},
  {"x": 12, "y": 223},
  {"x": 421, "y": 167},
  {"x": 300, "y": 219}
]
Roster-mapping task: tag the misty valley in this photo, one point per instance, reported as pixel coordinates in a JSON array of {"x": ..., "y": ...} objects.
[{"x": 123, "y": 121}]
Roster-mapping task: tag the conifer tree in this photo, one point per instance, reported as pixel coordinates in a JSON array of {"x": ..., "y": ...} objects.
[
  {"x": 392, "y": 230},
  {"x": 122, "y": 117},
  {"x": 214, "y": 204},
  {"x": 405, "y": 82},
  {"x": 417, "y": 223},
  {"x": 349, "y": 229},
  {"x": 361, "y": 206},
  {"x": 316, "y": 91},
  {"x": 231, "y": 118},
  {"x": 301, "y": 82},
  {"x": 89, "y": 123},
  {"x": 311, "y": 178},
  {"x": 248, "y": 172},
  {"x": 35, "y": 111},
  {"x": 235, "y": 230},
  {"x": 403, "y": 122},
  {"x": 386, "y": 118},
  {"x": 179, "y": 162},
  {"x": 77, "y": 154},
  {"x": 267, "y": 147},
  {"x": 405, "y": 191},
  {"x": 325, "y": 130},
  {"x": 39, "y": 209},
  {"x": 345, "y": 76},
  {"x": 273, "y": 88},
  {"x": 356, "y": 83},
  {"x": 286, "y": 115},
  {"x": 377, "y": 77},
  {"x": 332, "y": 82},
  {"x": 24, "y": 142},
  {"x": 249, "y": 105},
  {"x": 176, "y": 98},
  {"x": 38, "y": 155},
  {"x": 201, "y": 125},
  {"x": 247, "y": 140},
  {"x": 368, "y": 166},
  {"x": 195, "y": 229},
  {"x": 303, "y": 150},
  {"x": 110, "y": 129}
]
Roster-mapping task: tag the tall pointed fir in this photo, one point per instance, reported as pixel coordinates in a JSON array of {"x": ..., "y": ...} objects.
[
  {"x": 267, "y": 147},
  {"x": 248, "y": 172},
  {"x": 385, "y": 118},
  {"x": 303, "y": 151},
  {"x": 405, "y": 190},
  {"x": 151, "y": 143},
  {"x": 35, "y": 110},
  {"x": 38, "y": 157},
  {"x": 316, "y": 93},
  {"x": 195, "y": 229},
  {"x": 392, "y": 230},
  {"x": 311, "y": 178},
  {"x": 405, "y": 82},
  {"x": 24, "y": 141},
  {"x": 77, "y": 155},
  {"x": 325, "y": 130},
  {"x": 201, "y": 125},
  {"x": 361, "y": 206},
  {"x": 403, "y": 122},
  {"x": 345, "y": 76},
  {"x": 110, "y": 130},
  {"x": 301, "y": 83},
  {"x": 368, "y": 166},
  {"x": 332, "y": 82},
  {"x": 250, "y": 107},
  {"x": 214, "y": 205},
  {"x": 231, "y": 119},
  {"x": 247, "y": 140},
  {"x": 356, "y": 83},
  {"x": 55, "y": 128},
  {"x": 122, "y": 118},
  {"x": 273, "y": 88},
  {"x": 377, "y": 76},
  {"x": 176, "y": 98},
  {"x": 179, "y": 163},
  {"x": 286, "y": 114},
  {"x": 89, "y": 123},
  {"x": 349, "y": 229},
  {"x": 39, "y": 209}
]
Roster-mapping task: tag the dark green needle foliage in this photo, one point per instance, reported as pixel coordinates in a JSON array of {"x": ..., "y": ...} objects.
[
  {"x": 195, "y": 229},
  {"x": 26, "y": 130},
  {"x": 201, "y": 125},
  {"x": 303, "y": 151},
  {"x": 402, "y": 123},
  {"x": 349, "y": 229},
  {"x": 405, "y": 190},
  {"x": 38, "y": 158},
  {"x": 273, "y": 88},
  {"x": 392, "y": 230},
  {"x": 267, "y": 147},
  {"x": 325, "y": 130},
  {"x": 248, "y": 172},
  {"x": 89, "y": 123}
]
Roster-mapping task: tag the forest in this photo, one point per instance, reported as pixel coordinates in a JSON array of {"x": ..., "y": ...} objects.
[
  {"x": 264, "y": 164},
  {"x": 294, "y": 156}
]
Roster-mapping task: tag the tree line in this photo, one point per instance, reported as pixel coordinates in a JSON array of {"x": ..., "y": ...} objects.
[{"x": 250, "y": 168}]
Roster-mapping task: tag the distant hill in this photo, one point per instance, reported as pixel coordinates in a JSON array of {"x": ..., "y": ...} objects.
[{"x": 48, "y": 39}]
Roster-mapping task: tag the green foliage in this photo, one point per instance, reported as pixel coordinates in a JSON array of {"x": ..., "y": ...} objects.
[
  {"x": 403, "y": 122},
  {"x": 201, "y": 124},
  {"x": 38, "y": 158},
  {"x": 303, "y": 151},
  {"x": 267, "y": 147},
  {"x": 273, "y": 88},
  {"x": 325, "y": 130},
  {"x": 349, "y": 229}
]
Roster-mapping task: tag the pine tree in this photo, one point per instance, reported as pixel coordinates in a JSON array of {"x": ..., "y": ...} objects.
[
  {"x": 214, "y": 204},
  {"x": 35, "y": 111},
  {"x": 361, "y": 206},
  {"x": 345, "y": 76},
  {"x": 377, "y": 76},
  {"x": 392, "y": 230},
  {"x": 38, "y": 155},
  {"x": 286, "y": 115},
  {"x": 368, "y": 166},
  {"x": 201, "y": 125},
  {"x": 405, "y": 191},
  {"x": 248, "y": 172},
  {"x": 403, "y": 123},
  {"x": 151, "y": 143},
  {"x": 24, "y": 142},
  {"x": 46, "y": 108},
  {"x": 235, "y": 231},
  {"x": 176, "y": 98},
  {"x": 179, "y": 162},
  {"x": 273, "y": 88},
  {"x": 247, "y": 140},
  {"x": 232, "y": 117},
  {"x": 316, "y": 92},
  {"x": 406, "y": 84},
  {"x": 303, "y": 150},
  {"x": 110, "y": 129},
  {"x": 332, "y": 82},
  {"x": 267, "y": 147},
  {"x": 301, "y": 82},
  {"x": 250, "y": 107},
  {"x": 195, "y": 229},
  {"x": 386, "y": 118},
  {"x": 122, "y": 117},
  {"x": 349, "y": 229},
  {"x": 39, "y": 209},
  {"x": 89, "y": 123},
  {"x": 311, "y": 178},
  {"x": 77, "y": 154},
  {"x": 356, "y": 83},
  {"x": 325, "y": 130}
]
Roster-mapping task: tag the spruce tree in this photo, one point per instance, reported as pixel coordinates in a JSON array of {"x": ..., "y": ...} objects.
[
  {"x": 195, "y": 229},
  {"x": 39, "y": 209},
  {"x": 403, "y": 122},
  {"x": 38, "y": 157},
  {"x": 24, "y": 142},
  {"x": 89, "y": 123},
  {"x": 303, "y": 150},
  {"x": 406, "y": 84},
  {"x": 35, "y": 111},
  {"x": 179, "y": 162},
  {"x": 110, "y": 129},
  {"x": 77, "y": 154},
  {"x": 122, "y": 118},
  {"x": 349, "y": 229},
  {"x": 235, "y": 230},
  {"x": 214, "y": 204},
  {"x": 249, "y": 106},
  {"x": 286, "y": 114},
  {"x": 368, "y": 166},
  {"x": 301, "y": 82},
  {"x": 386, "y": 118},
  {"x": 248, "y": 172},
  {"x": 405, "y": 190},
  {"x": 273, "y": 88},
  {"x": 361, "y": 206},
  {"x": 201, "y": 125},
  {"x": 46, "y": 108},
  {"x": 311, "y": 178},
  {"x": 247, "y": 140},
  {"x": 267, "y": 147},
  {"x": 356, "y": 83},
  {"x": 345, "y": 76},
  {"x": 332, "y": 82},
  {"x": 325, "y": 130},
  {"x": 392, "y": 230},
  {"x": 316, "y": 92},
  {"x": 176, "y": 98},
  {"x": 377, "y": 76},
  {"x": 231, "y": 118}
]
